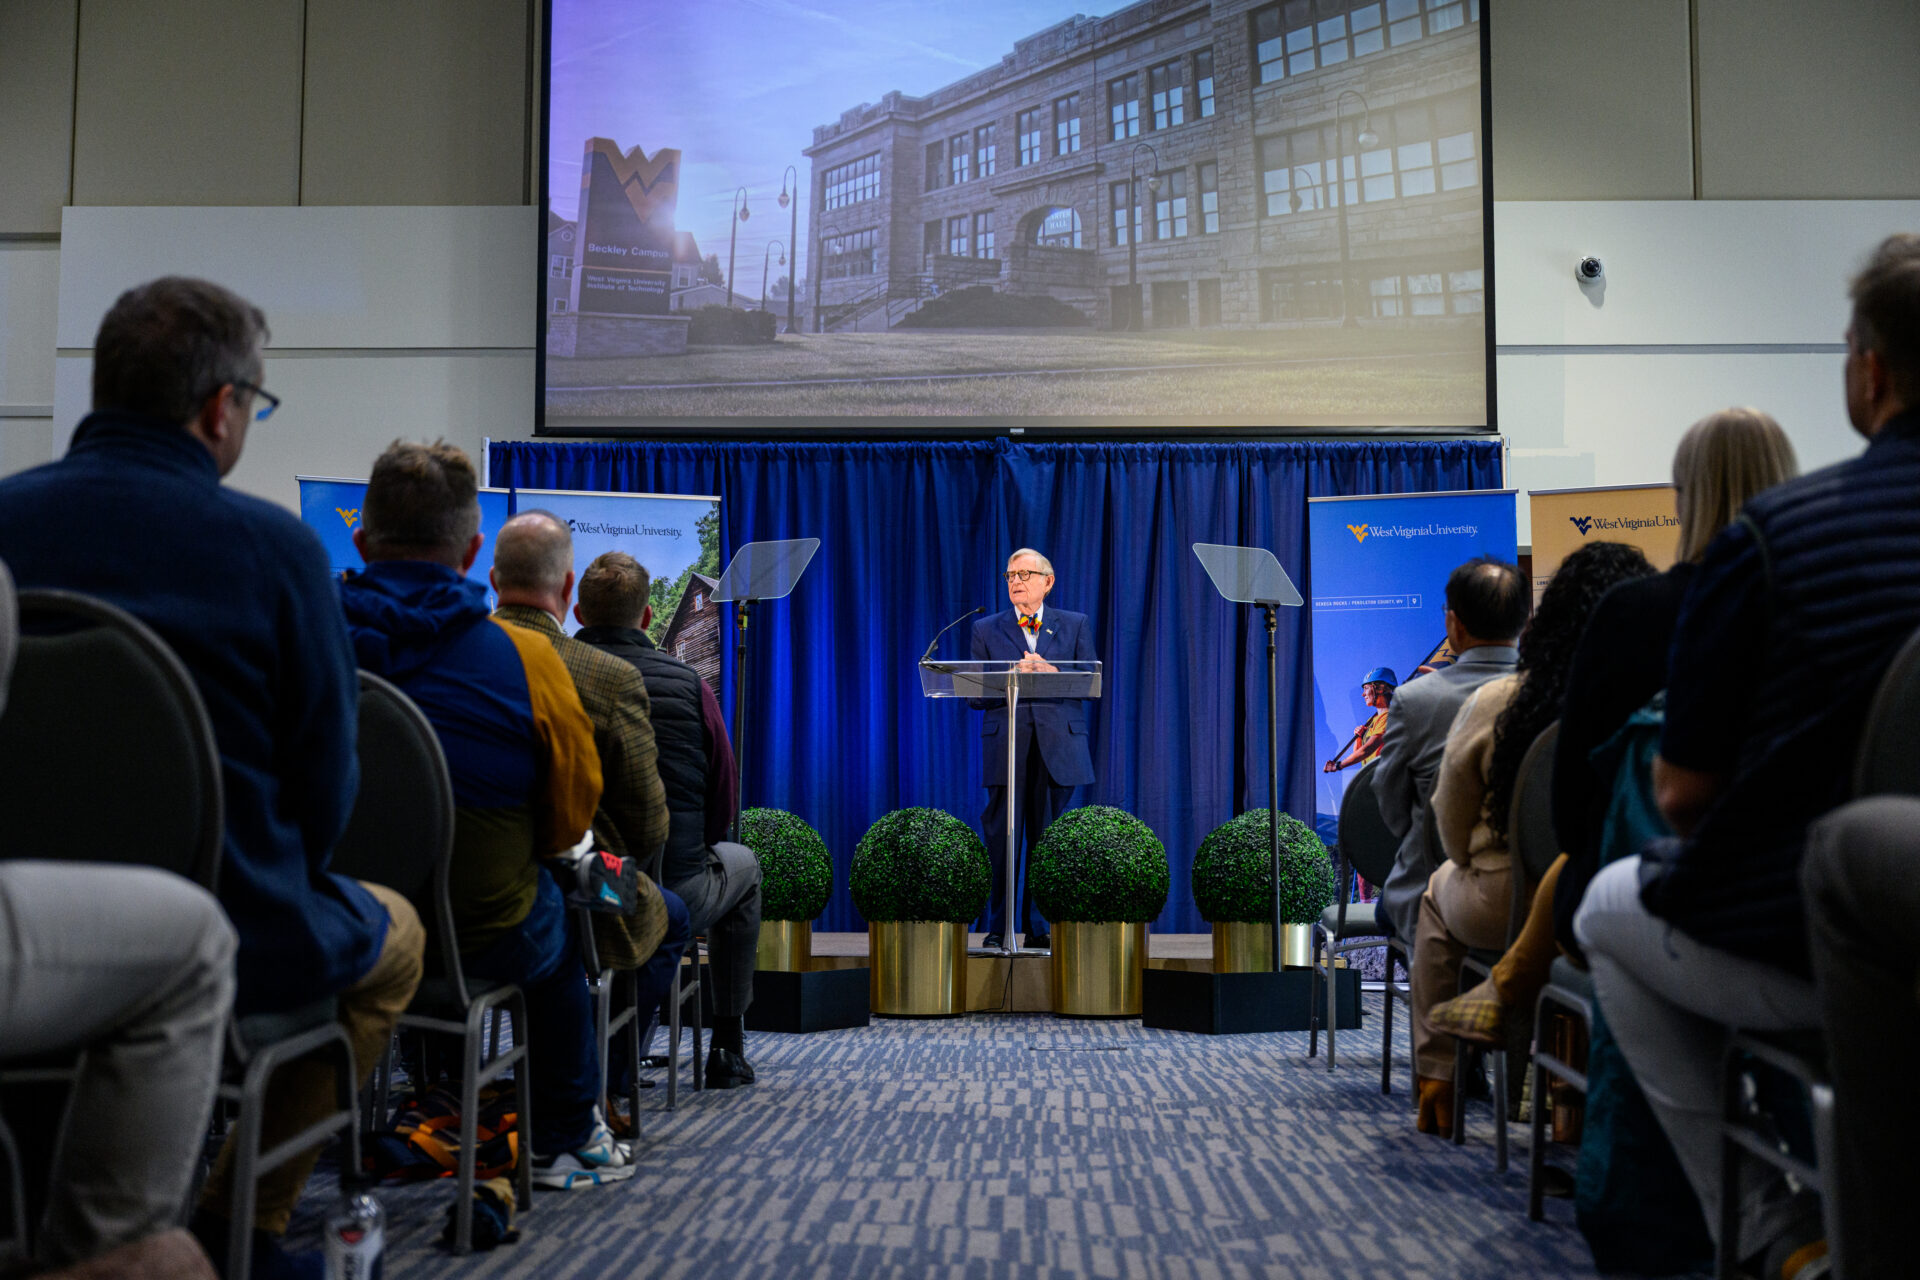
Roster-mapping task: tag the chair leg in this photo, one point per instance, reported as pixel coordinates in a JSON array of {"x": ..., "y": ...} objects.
[
  {"x": 1499, "y": 1108},
  {"x": 1826, "y": 1151},
  {"x": 1727, "y": 1255},
  {"x": 1387, "y": 1001},
  {"x": 633, "y": 1054},
  {"x": 523, "y": 1106},
  {"x": 1537, "y": 1142},
  {"x": 352, "y": 1172},
  {"x": 699, "y": 996},
  {"x": 472, "y": 1055},
  {"x": 602, "y": 1015},
  {"x": 674, "y": 1001},
  {"x": 244, "y": 1182},
  {"x": 1459, "y": 1093},
  {"x": 1313, "y": 995}
]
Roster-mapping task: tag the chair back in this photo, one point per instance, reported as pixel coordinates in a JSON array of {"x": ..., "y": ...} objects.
[
  {"x": 9, "y": 630},
  {"x": 1365, "y": 841},
  {"x": 1530, "y": 836},
  {"x": 401, "y": 832},
  {"x": 1889, "y": 756},
  {"x": 106, "y": 752}
]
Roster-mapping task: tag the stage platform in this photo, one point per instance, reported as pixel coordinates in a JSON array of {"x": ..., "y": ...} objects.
[{"x": 990, "y": 985}]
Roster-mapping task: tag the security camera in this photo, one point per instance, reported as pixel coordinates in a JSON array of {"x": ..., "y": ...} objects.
[{"x": 1589, "y": 270}]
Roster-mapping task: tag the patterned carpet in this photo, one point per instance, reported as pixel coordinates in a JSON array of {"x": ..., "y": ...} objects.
[{"x": 1004, "y": 1146}]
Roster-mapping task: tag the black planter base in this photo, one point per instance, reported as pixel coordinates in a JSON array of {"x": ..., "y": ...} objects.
[
  {"x": 1218, "y": 1004},
  {"x": 819, "y": 1000}
]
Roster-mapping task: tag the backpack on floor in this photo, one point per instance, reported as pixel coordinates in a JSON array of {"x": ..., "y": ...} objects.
[{"x": 424, "y": 1141}]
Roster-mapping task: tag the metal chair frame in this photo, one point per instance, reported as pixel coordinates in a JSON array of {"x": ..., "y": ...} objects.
[
  {"x": 602, "y": 984},
  {"x": 357, "y": 853},
  {"x": 1553, "y": 997},
  {"x": 1327, "y": 948},
  {"x": 1531, "y": 840}
]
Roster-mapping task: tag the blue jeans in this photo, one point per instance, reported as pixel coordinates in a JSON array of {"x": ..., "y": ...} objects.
[
  {"x": 542, "y": 955},
  {"x": 652, "y": 981}
]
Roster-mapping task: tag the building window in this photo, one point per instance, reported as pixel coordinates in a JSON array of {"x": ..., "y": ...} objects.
[
  {"x": 1203, "y": 81},
  {"x": 1289, "y": 39},
  {"x": 560, "y": 304},
  {"x": 1123, "y": 101},
  {"x": 1121, "y": 222},
  {"x": 561, "y": 266},
  {"x": 1467, "y": 292},
  {"x": 1422, "y": 148},
  {"x": 850, "y": 254},
  {"x": 958, "y": 243},
  {"x": 1285, "y": 295},
  {"x": 983, "y": 235},
  {"x": 1169, "y": 95},
  {"x": 958, "y": 158},
  {"x": 936, "y": 164},
  {"x": 1170, "y": 206},
  {"x": 851, "y": 183},
  {"x": 1060, "y": 229},
  {"x": 1066, "y": 125},
  {"x": 1209, "y": 199},
  {"x": 930, "y": 238},
  {"x": 1030, "y": 135},
  {"x": 1417, "y": 293},
  {"x": 983, "y": 149},
  {"x": 1170, "y": 304}
]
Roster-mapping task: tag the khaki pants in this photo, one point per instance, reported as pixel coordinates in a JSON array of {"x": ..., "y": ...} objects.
[
  {"x": 1462, "y": 909},
  {"x": 302, "y": 1092}
]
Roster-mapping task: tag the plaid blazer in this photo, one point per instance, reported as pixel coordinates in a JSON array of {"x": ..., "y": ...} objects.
[{"x": 632, "y": 818}]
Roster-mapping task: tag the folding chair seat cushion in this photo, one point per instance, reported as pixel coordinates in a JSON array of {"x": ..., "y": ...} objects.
[
  {"x": 258, "y": 1030},
  {"x": 1569, "y": 976},
  {"x": 436, "y": 997},
  {"x": 1360, "y": 922}
]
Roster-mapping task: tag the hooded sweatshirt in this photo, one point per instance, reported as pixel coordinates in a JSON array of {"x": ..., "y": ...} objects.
[{"x": 519, "y": 746}]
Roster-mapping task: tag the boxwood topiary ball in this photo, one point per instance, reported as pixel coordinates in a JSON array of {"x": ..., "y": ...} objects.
[
  {"x": 796, "y": 872},
  {"x": 1233, "y": 872},
  {"x": 1099, "y": 864},
  {"x": 920, "y": 864}
]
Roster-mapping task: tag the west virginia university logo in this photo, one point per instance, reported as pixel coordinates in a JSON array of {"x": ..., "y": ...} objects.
[
  {"x": 1359, "y": 532},
  {"x": 350, "y": 514},
  {"x": 1583, "y": 523},
  {"x": 652, "y": 186}
]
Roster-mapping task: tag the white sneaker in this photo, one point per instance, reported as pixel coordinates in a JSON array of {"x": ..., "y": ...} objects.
[{"x": 600, "y": 1162}]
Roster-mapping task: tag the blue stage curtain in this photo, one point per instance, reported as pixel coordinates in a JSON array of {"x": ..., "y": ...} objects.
[{"x": 913, "y": 534}]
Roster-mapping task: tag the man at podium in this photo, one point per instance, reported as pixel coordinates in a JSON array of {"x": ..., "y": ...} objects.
[{"x": 1052, "y": 757}]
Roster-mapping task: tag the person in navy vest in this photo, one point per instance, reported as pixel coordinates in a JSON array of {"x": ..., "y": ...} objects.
[{"x": 1052, "y": 754}]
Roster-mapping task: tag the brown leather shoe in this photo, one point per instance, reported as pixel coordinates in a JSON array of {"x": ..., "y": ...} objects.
[{"x": 1436, "y": 1106}]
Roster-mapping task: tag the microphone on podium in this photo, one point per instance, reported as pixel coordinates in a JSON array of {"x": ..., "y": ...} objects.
[{"x": 980, "y": 608}]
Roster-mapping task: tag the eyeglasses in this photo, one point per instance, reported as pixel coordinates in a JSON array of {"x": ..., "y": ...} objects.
[
  {"x": 260, "y": 393},
  {"x": 1021, "y": 575}
]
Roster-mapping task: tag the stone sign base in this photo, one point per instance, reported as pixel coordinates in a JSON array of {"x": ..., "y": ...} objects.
[{"x": 590, "y": 337}]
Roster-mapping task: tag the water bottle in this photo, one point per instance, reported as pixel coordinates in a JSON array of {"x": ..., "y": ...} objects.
[{"x": 356, "y": 1238}]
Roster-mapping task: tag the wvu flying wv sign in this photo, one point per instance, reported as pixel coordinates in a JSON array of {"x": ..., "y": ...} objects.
[{"x": 624, "y": 249}]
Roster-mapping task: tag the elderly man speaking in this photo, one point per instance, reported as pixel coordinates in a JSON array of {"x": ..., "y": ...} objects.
[{"x": 1052, "y": 757}]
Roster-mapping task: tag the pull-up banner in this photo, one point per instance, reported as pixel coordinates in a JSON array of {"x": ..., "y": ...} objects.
[
  {"x": 1564, "y": 520},
  {"x": 330, "y": 507},
  {"x": 1379, "y": 566}
]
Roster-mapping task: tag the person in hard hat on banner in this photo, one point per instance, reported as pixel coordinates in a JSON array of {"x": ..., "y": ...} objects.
[{"x": 1378, "y": 689}]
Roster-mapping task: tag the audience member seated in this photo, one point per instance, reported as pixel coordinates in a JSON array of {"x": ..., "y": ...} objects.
[
  {"x": 533, "y": 576},
  {"x": 719, "y": 881},
  {"x": 1469, "y": 898},
  {"x": 241, "y": 591},
  {"x": 1862, "y": 883},
  {"x": 1487, "y": 602},
  {"x": 1794, "y": 615},
  {"x": 526, "y": 778},
  {"x": 1618, "y": 666}
]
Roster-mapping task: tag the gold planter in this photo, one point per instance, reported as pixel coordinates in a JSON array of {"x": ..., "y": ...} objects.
[
  {"x": 1097, "y": 968},
  {"x": 919, "y": 968},
  {"x": 785, "y": 945},
  {"x": 1246, "y": 947}
]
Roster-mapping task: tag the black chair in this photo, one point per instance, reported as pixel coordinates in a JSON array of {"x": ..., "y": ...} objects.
[
  {"x": 1569, "y": 991},
  {"x": 1531, "y": 840},
  {"x": 683, "y": 995},
  {"x": 107, "y": 755},
  {"x": 1368, "y": 847},
  {"x": 1887, "y": 762},
  {"x": 401, "y": 836},
  {"x": 603, "y": 983}
]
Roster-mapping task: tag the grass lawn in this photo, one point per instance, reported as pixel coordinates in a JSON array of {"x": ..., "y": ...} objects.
[{"x": 1324, "y": 376}]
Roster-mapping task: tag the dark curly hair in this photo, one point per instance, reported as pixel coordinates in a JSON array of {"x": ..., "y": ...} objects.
[{"x": 1546, "y": 652}]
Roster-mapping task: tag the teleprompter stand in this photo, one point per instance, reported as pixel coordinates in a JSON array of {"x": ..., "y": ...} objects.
[{"x": 1005, "y": 680}]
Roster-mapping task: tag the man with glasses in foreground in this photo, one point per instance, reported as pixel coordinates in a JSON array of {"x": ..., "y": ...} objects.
[
  {"x": 1052, "y": 753},
  {"x": 135, "y": 514}
]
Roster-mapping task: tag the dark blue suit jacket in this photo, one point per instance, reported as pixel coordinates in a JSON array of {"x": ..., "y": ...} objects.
[{"x": 1059, "y": 726}]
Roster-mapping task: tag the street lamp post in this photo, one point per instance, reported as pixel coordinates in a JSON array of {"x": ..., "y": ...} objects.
[
  {"x": 1133, "y": 226},
  {"x": 763, "y": 273},
  {"x": 1365, "y": 138},
  {"x": 793, "y": 231},
  {"x": 737, "y": 215}
]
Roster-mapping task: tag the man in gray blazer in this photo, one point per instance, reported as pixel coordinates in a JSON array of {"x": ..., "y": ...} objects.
[{"x": 1487, "y": 604}]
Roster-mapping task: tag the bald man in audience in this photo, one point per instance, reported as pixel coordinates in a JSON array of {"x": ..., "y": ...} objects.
[{"x": 533, "y": 576}]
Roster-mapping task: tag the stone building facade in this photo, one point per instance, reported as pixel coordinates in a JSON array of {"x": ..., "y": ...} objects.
[{"x": 1223, "y": 119}]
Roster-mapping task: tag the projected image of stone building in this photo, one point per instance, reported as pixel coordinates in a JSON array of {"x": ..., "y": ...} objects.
[{"x": 1174, "y": 165}]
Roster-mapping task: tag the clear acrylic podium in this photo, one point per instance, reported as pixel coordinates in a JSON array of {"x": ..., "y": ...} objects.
[
  {"x": 1004, "y": 680},
  {"x": 758, "y": 571}
]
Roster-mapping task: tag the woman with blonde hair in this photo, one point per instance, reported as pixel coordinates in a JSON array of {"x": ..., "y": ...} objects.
[{"x": 1621, "y": 662}]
